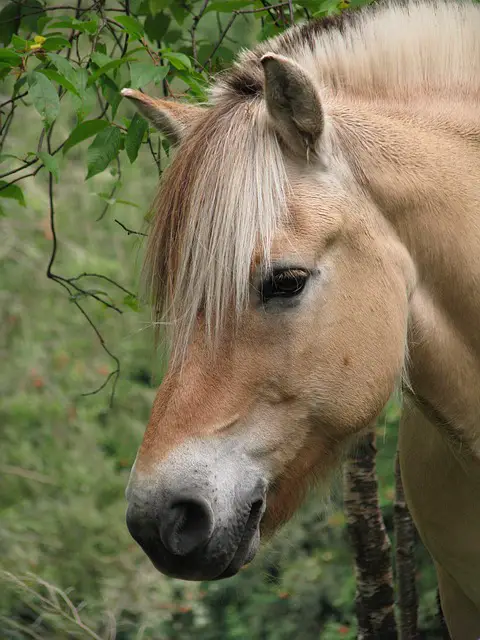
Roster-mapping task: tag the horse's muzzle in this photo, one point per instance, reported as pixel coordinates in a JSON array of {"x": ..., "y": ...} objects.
[{"x": 190, "y": 536}]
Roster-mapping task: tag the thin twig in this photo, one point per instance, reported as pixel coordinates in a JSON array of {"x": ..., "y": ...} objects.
[
  {"x": 66, "y": 285},
  {"x": 196, "y": 20},
  {"x": 130, "y": 232},
  {"x": 271, "y": 6},
  {"x": 239, "y": 12},
  {"x": 290, "y": 9},
  {"x": 154, "y": 155},
  {"x": 271, "y": 13},
  {"x": 40, "y": 140},
  {"x": 6, "y": 126},
  {"x": 102, "y": 277},
  {"x": 221, "y": 38},
  {"x": 29, "y": 163},
  {"x": 24, "y": 166},
  {"x": 112, "y": 191},
  {"x": 36, "y": 13},
  {"x": 28, "y": 175},
  {"x": 26, "y": 473},
  {"x": 14, "y": 99},
  {"x": 56, "y": 7}
]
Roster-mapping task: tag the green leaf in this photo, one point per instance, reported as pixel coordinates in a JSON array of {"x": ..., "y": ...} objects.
[
  {"x": 86, "y": 104},
  {"x": 9, "y": 22},
  {"x": 132, "y": 26},
  {"x": 19, "y": 43},
  {"x": 12, "y": 191},
  {"x": 32, "y": 12},
  {"x": 55, "y": 42},
  {"x": 111, "y": 93},
  {"x": 226, "y": 6},
  {"x": 113, "y": 64},
  {"x": 44, "y": 97},
  {"x": 4, "y": 70},
  {"x": 196, "y": 83},
  {"x": 61, "y": 80},
  {"x": 326, "y": 8},
  {"x": 42, "y": 22},
  {"x": 100, "y": 58},
  {"x": 64, "y": 67},
  {"x": 223, "y": 53},
  {"x": 156, "y": 27},
  {"x": 19, "y": 84},
  {"x": 89, "y": 26},
  {"x": 8, "y": 56},
  {"x": 132, "y": 302},
  {"x": 172, "y": 36},
  {"x": 103, "y": 150},
  {"x": 178, "y": 60},
  {"x": 81, "y": 79},
  {"x": 136, "y": 6},
  {"x": 83, "y": 131},
  {"x": 66, "y": 22},
  {"x": 142, "y": 73},
  {"x": 8, "y": 156},
  {"x": 156, "y": 6},
  {"x": 127, "y": 203},
  {"x": 50, "y": 162},
  {"x": 179, "y": 12},
  {"x": 135, "y": 133}
]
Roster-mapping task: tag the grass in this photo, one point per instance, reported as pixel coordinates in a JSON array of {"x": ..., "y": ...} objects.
[{"x": 65, "y": 458}]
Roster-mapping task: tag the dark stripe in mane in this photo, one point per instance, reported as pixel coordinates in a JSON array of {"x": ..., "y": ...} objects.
[{"x": 245, "y": 79}]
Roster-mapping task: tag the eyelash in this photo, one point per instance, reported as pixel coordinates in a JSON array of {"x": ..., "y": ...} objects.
[{"x": 283, "y": 283}]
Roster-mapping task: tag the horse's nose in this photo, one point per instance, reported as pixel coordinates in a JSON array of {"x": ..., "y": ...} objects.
[
  {"x": 185, "y": 524},
  {"x": 197, "y": 533},
  {"x": 179, "y": 525}
]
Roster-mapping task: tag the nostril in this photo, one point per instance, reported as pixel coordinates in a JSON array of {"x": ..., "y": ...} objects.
[
  {"x": 192, "y": 517},
  {"x": 256, "y": 512},
  {"x": 186, "y": 525}
]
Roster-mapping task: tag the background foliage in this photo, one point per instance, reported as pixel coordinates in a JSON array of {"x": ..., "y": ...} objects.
[{"x": 77, "y": 172}]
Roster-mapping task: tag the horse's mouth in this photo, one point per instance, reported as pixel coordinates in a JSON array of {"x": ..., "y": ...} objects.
[
  {"x": 215, "y": 561},
  {"x": 248, "y": 546}
]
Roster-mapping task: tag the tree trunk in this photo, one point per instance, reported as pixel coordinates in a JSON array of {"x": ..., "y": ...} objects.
[
  {"x": 369, "y": 539},
  {"x": 445, "y": 634},
  {"x": 405, "y": 534}
]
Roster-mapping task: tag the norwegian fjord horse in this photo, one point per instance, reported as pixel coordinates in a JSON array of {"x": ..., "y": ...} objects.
[{"x": 316, "y": 242}]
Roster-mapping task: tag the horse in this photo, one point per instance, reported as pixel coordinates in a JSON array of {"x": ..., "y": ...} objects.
[{"x": 315, "y": 246}]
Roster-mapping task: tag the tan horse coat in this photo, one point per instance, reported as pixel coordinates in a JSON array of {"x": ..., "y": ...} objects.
[{"x": 369, "y": 135}]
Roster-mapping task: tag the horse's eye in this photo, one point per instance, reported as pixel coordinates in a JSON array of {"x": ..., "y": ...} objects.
[{"x": 284, "y": 283}]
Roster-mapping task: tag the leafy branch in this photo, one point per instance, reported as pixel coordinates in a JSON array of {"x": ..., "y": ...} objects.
[{"x": 85, "y": 53}]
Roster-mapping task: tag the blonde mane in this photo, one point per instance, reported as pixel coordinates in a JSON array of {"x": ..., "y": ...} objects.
[
  {"x": 220, "y": 200},
  {"x": 225, "y": 193}
]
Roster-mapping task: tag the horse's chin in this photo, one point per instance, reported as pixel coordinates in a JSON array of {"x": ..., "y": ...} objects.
[{"x": 245, "y": 553}]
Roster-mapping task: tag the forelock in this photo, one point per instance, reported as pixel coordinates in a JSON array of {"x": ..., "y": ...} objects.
[{"x": 220, "y": 201}]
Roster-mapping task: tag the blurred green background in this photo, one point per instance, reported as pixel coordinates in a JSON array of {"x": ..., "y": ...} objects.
[{"x": 69, "y": 567}]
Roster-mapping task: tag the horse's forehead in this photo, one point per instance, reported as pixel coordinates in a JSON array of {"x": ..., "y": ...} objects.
[
  {"x": 313, "y": 213},
  {"x": 299, "y": 238}
]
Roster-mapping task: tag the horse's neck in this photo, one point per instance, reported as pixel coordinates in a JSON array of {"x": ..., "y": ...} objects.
[{"x": 422, "y": 169}]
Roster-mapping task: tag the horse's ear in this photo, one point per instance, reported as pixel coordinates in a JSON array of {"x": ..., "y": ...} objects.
[
  {"x": 173, "y": 119},
  {"x": 293, "y": 102}
]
